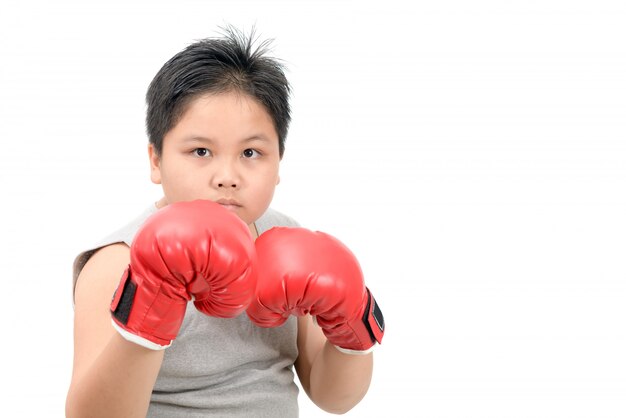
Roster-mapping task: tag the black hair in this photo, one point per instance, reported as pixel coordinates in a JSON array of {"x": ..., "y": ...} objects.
[{"x": 230, "y": 63}]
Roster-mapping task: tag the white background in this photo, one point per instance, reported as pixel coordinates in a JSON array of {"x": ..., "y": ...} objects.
[{"x": 472, "y": 154}]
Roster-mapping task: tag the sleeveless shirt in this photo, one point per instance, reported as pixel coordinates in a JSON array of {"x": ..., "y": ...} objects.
[{"x": 220, "y": 367}]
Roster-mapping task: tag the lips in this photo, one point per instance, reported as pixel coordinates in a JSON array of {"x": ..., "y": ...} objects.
[{"x": 230, "y": 204}]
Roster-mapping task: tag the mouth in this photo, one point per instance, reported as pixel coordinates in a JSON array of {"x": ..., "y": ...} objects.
[{"x": 229, "y": 204}]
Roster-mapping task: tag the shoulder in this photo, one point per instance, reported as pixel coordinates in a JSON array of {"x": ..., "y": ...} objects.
[
  {"x": 122, "y": 236},
  {"x": 101, "y": 272},
  {"x": 272, "y": 218}
]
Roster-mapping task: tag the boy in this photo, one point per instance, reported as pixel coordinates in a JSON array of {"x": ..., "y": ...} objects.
[{"x": 217, "y": 120}]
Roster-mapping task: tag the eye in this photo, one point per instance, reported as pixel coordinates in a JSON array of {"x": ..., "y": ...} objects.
[
  {"x": 201, "y": 152},
  {"x": 250, "y": 153}
]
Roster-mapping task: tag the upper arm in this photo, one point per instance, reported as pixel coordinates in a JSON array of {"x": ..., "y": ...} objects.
[
  {"x": 94, "y": 289},
  {"x": 311, "y": 340}
]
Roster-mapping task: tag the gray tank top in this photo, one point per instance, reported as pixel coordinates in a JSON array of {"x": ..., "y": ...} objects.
[{"x": 221, "y": 367}]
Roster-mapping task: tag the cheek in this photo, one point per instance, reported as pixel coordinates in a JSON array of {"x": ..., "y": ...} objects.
[
  {"x": 179, "y": 182},
  {"x": 265, "y": 181},
  {"x": 266, "y": 185},
  {"x": 269, "y": 178}
]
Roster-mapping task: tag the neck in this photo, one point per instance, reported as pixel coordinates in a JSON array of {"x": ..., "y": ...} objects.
[{"x": 253, "y": 230}]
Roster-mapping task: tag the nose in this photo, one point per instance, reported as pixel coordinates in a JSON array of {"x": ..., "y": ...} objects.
[
  {"x": 226, "y": 175},
  {"x": 227, "y": 185}
]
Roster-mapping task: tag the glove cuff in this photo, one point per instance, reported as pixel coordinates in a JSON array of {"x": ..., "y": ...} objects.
[
  {"x": 133, "y": 338},
  {"x": 145, "y": 314},
  {"x": 361, "y": 333},
  {"x": 357, "y": 352}
]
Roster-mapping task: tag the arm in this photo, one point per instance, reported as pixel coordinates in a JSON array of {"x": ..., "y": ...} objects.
[
  {"x": 187, "y": 250},
  {"x": 306, "y": 273},
  {"x": 333, "y": 380},
  {"x": 111, "y": 377}
]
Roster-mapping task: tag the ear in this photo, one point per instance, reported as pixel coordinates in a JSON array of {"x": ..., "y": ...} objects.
[
  {"x": 280, "y": 160},
  {"x": 155, "y": 165}
]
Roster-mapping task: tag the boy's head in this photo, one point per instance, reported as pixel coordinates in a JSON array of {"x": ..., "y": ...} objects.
[
  {"x": 217, "y": 119},
  {"x": 229, "y": 64}
]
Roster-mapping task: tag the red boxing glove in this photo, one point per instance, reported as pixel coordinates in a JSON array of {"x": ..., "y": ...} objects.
[
  {"x": 303, "y": 272},
  {"x": 186, "y": 250}
]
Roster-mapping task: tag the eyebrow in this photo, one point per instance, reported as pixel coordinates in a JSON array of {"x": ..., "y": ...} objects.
[{"x": 196, "y": 138}]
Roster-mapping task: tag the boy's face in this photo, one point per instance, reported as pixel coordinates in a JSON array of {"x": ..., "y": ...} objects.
[{"x": 224, "y": 149}]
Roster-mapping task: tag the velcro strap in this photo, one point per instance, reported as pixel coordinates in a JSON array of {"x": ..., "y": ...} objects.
[
  {"x": 123, "y": 298},
  {"x": 373, "y": 319}
]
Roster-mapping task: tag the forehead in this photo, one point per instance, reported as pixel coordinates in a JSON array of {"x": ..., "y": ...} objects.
[
  {"x": 232, "y": 111},
  {"x": 223, "y": 120}
]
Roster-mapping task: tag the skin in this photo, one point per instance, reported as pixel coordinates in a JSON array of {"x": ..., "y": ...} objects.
[{"x": 224, "y": 149}]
